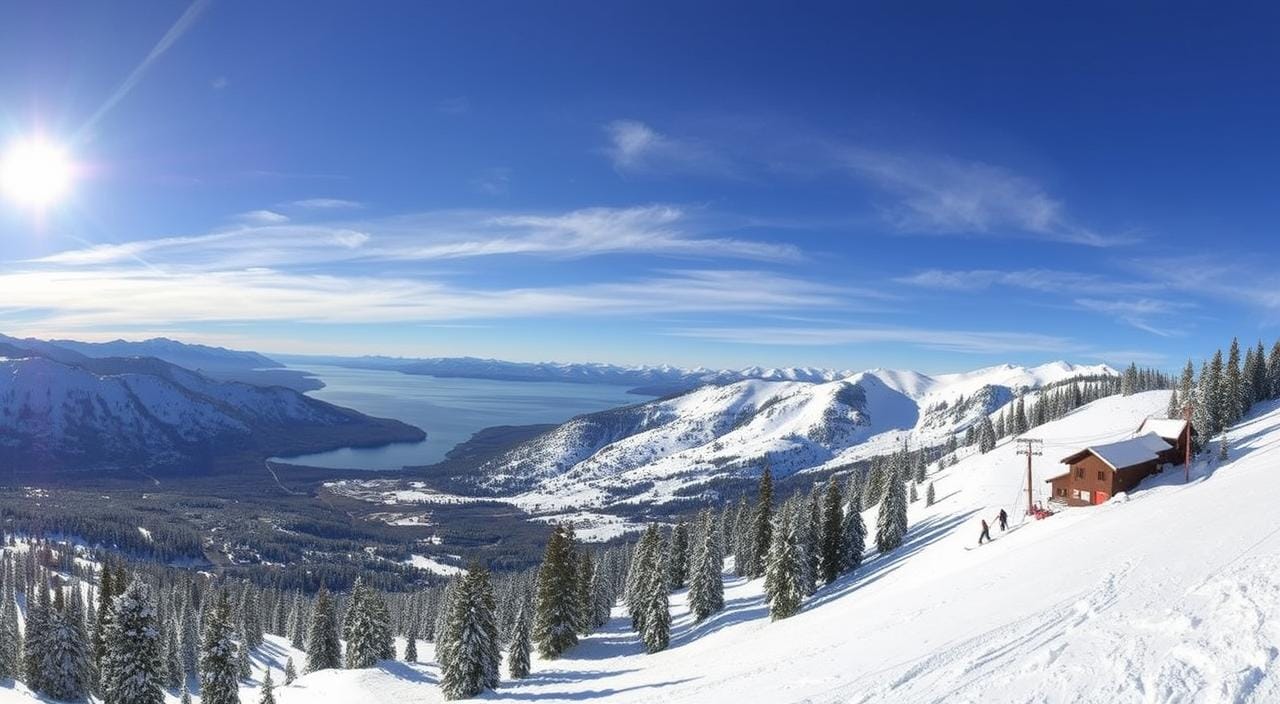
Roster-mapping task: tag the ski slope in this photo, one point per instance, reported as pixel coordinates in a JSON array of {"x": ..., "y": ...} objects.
[{"x": 1165, "y": 595}]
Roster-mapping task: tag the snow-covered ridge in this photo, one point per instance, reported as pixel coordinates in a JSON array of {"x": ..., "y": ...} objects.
[
  {"x": 682, "y": 445},
  {"x": 60, "y": 409}
]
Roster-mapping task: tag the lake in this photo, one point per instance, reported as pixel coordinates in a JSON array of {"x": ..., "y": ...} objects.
[{"x": 449, "y": 410}]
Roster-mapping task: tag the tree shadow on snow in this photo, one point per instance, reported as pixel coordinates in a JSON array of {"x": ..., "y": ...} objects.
[
  {"x": 585, "y": 694},
  {"x": 918, "y": 537}
]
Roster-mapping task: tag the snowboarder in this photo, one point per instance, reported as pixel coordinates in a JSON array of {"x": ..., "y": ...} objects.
[
  {"x": 1004, "y": 520},
  {"x": 986, "y": 532}
]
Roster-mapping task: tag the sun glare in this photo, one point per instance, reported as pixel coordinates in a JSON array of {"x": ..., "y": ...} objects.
[{"x": 35, "y": 173}]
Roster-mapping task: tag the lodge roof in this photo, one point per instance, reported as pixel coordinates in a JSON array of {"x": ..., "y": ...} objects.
[
  {"x": 1125, "y": 453},
  {"x": 1168, "y": 428}
]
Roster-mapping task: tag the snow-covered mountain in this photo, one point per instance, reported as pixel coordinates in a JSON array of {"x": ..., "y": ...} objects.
[
  {"x": 61, "y": 410},
  {"x": 183, "y": 354},
  {"x": 682, "y": 445}
]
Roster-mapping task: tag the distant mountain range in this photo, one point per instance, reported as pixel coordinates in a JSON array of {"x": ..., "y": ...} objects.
[
  {"x": 683, "y": 445},
  {"x": 646, "y": 380},
  {"x": 62, "y": 409}
]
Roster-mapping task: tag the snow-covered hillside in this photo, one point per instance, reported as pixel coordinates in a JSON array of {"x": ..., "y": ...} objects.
[
  {"x": 672, "y": 447},
  {"x": 1170, "y": 594},
  {"x": 143, "y": 412}
]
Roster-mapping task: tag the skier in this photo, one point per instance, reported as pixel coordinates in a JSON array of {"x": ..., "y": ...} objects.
[
  {"x": 1004, "y": 520},
  {"x": 986, "y": 532}
]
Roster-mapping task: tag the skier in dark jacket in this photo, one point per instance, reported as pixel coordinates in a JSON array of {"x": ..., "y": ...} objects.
[
  {"x": 1004, "y": 520},
  {"x": 986, "y": 533}
]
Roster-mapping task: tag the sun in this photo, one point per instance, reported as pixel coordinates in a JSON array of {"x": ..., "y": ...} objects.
[{"x": 35, "y": 173}]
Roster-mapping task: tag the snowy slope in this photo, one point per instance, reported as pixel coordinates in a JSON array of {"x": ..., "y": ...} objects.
[
  {"x": 681, "y": 445},
  {"x": 1168, "y": 595},
  {"x": 144, "y": 412}
]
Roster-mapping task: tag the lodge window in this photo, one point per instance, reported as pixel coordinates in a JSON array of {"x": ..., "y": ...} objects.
[
  {"x": 1101, "y": 475},
  {"x": 1079, "y": 472},
  {"x": 1062, "y": 491}
]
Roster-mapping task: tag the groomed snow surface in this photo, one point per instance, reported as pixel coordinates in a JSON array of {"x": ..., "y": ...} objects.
[{"x": 1166, "y": 595}]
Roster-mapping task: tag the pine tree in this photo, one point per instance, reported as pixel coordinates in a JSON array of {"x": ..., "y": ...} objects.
[
  {"x": 290, "y": 672},
  {"x": 706, "y": 588},
  {"x": 678, "y": 560},
  {"x": 218, "y": 656},
  {"x": 929, "y": 497},
  {"x": 65, "y": 654},
  {"x": 556, "y": 609},
  {"x": 37, "y": 627},
  {"x": 1233, "y": 387},
  {"x": 1273, "y": 371},
  {"x": 474, "y": 656},
  {"x": 656, "y": 633},
  {"x": 184, "y": 697},
  {"x": 986, "y": 438},
  {"x": 368, "y": 631},
  {"x": 853, "y": 531},
  {"x": 411, "y": 645},
  {"x": 521, "y": 644},
  {"x": 832, "y": 542},
  {"x": 1222, "y": 448},
  {"x": 268, "y": 695},
  {"x": 244, "y": 666},
  {"x": 891, "y": 524},
  {"x": 323, "y": 649},
  {"x": 134, "y": 674},
  {"x": 10, "y": 635},
  {"x": 583, "y": 597},
  {"x": 783, "y": 590},
  {"x": 761, "y": 533}
]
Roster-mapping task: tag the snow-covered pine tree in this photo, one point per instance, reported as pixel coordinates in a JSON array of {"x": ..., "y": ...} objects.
[
  {"x": 656, "y": 633},
  {"x": 678, "y": 555},
  {"x": 929, "y": 496},
  {"x": 475, "y": 656},
  {"x": 323, "y": 649},
  {"x": 831, "y": 543},
  {"x": 853, "y": 534},
  {"x": 367, "y": 630},
  {"x": 521, "y": 644},
  {"x": 184, "y": 697},
  {"x": 891, "y": 524},
  {"x": 986, "y": 438},
  {"x": 807, "y": 541},
  {"x": 1174, "y": 409},
  {"x": 244, "y": 666},
  {"x": 36, "y": 631},
  {"x": 267, "y": 693},
  {"x": 782, "y": 587},
  {"x": 585, "y": 569},
  {"x": 173, "y": 670},
  {"x": 762, "y": 525},
  {"x": 706, "y": 588},
  {"x": 602, "y": 595},
  {"x": 135, "y": 674},
  {"x": 65, "y": 653},
  {"x": 915, "y": 495},
  {"x": 290, "y": 672},
  {"x": 1273, "y": 371},
  {"x": 1222, "y": 448},
  {"x": 188, "y": 643},
  {"x": 218, "y": 655},
  {"x": 411, "y": 644},
  {"x": 10, "y": 634},
  {"x": 556, "y": 609},
  {"x": 1233, "y": 388}
]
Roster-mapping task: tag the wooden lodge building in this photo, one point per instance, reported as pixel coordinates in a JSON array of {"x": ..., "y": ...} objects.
[{"x": 1098, "y": 472}]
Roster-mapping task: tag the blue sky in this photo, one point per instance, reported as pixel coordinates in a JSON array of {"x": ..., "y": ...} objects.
[{"x": 904, "y": 185}]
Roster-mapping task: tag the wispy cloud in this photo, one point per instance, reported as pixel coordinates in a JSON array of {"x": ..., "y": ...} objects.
[
  {"x": 495, "y": 181},
  {"x": 122, "y": 296},
  {"x": 219, "y": 83},
  {"x": 654, "y": 230},
  {"x": 943, "y": 195},
  {"x": 263, "y": 217},
  {"x": 326, "y": 204},
  {"x": 635, "y": 147},
  {"x": 964, "y": 341},
  {"x": 166, "y": 42},
  {"x": 1142, "y": 313}
]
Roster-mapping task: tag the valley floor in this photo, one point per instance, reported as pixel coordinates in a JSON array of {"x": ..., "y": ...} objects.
[{"x": 1171, "y": 594}]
